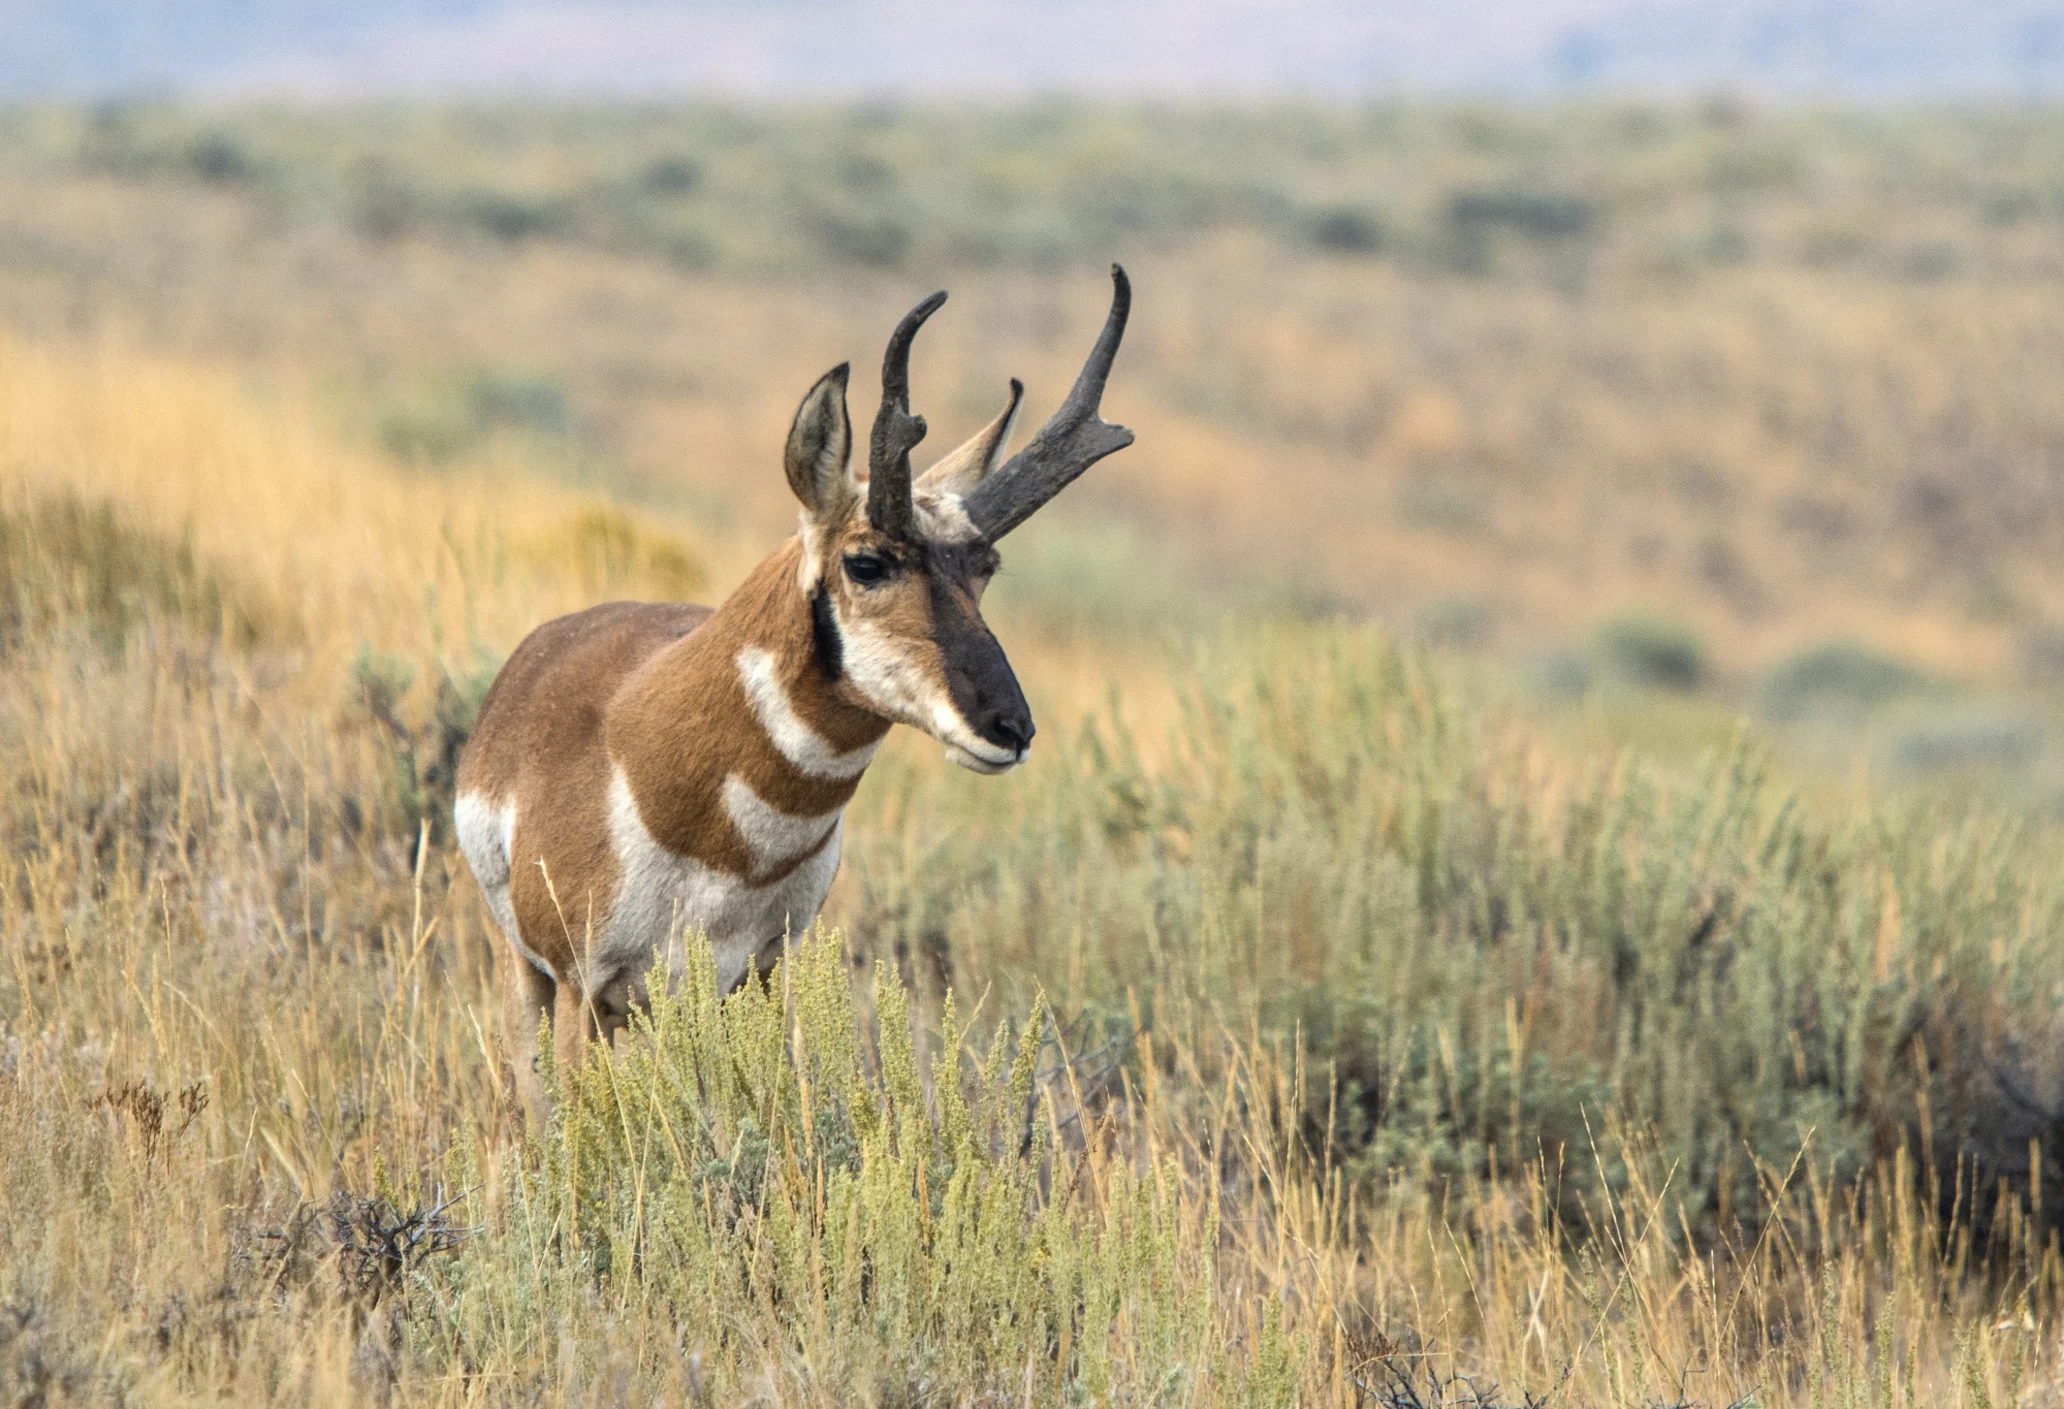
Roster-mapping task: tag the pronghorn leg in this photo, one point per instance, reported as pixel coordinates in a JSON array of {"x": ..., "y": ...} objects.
[
  {"x": 581, "y": 1017},
  {"x": 573, "y": 1023},
  {"x": 530, "y": 997}
]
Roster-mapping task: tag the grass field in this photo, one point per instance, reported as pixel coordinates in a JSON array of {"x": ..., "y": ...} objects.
[{"x": 1318, "y": 1019}]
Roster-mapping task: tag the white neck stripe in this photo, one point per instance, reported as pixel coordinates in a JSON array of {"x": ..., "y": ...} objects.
[{"x": 797, "y": 741}]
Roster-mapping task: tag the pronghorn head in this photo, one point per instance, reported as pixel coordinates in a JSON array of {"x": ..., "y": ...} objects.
[{"x": 894, "y": 567}]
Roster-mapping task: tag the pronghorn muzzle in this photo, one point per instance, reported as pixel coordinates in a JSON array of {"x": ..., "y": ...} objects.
[{"x": 979, "y": 678}]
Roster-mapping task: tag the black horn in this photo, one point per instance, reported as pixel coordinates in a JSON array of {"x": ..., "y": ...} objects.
[
  {"x": 1076, "y": 438},
  {"x": 896, "y": 431}
]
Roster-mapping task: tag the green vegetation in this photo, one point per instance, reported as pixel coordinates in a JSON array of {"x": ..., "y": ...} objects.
[
  {"x": 850, "y": 1217},
  {"x": 1647, "y": 650},
  {"x": 759, "y": 191},
  {"x": 457, "y": 419},
  {"x": 1845, "y": 680},
  {"x": 1334, "y": 849}
]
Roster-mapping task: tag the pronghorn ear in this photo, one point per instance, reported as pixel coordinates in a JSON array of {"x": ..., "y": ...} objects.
[
  {"x": 962, "y": 469},
  {"x": 820, "y": 447}
]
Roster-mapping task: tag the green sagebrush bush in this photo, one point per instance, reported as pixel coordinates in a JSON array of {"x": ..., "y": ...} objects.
[
  {"x": 815, "y": 1207},
  {"x": 1843, "y": 681},
  {"x": 88, "y": 564},
  {"x": 422, "y": 760},
  {"x": 1485, "y": 956}
]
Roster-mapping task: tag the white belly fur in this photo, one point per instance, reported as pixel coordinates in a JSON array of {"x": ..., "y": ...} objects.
[{"x": 661, "y": 895}]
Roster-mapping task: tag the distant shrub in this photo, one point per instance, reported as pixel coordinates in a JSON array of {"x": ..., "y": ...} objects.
[
  {"x": 422, "y": 758},
  {"x": 1431, "y": 505},
  {"x": 1724, "y": 244},
  {"x": 65, "y": 557},
  {"x": 1537, "y": 215},
  {"x": 693, "y": 250},
  {"x": 1754, "y": 167},
  {"x": 874, "y": 239},
  {"x": 1843, "y": 678},
  {"x": 529, "y": 401},
  {"x": 866, "y": 173},
  {"x": 1550, "y": 220},
  {"x": 1346, "y": 229},
  {"x": 448, "y": 422},
  {"x": 2010, "y": 207},
  {"x": 1463, "y": 623},
  {"x": 507, "y": 215},
  {"x": 431, "y": 432},
  {"x": 606, "y": 551},
  {"x": 1651, "y": 651},
  {"x": 1979, "y": 738},
  {"x": 1833, "y": 245},
  {"x": 671, "y": 176},
  {"x": 217, "y": 156},
  {"x": 1930, "y": 262}
]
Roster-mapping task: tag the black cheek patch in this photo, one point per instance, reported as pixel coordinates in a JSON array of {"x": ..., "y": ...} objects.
[{"x": 831, "y": 649}]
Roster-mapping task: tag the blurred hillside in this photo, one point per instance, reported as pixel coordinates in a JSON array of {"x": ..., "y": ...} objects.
[
  {"x": 1566, "y": 359},
  {"x": 1695, "y": 395}
]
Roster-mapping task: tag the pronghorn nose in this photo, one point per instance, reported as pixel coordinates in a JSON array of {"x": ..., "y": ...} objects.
[
  {"x": 986, "y": 693},
  {"x": 1011, "y": 727}
]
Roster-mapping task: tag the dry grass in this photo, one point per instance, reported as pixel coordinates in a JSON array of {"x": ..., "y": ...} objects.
[{"x": 258, "y": 1148}]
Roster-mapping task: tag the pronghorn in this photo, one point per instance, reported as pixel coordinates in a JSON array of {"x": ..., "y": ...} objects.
[{"x": 640, "y": 770}]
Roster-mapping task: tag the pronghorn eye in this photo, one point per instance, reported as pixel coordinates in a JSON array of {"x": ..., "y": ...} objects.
[{"x": 866, "y": 569}]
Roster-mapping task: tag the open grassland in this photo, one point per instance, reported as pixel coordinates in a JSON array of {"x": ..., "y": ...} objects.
[
  {"x": 1492, "y": 376},
  {"x": 1315, "y": 1020},
  {"x": 1300, "y": 1027}
]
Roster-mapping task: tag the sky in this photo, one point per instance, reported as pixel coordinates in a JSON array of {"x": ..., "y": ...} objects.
[{"x": 331, "y": 49}]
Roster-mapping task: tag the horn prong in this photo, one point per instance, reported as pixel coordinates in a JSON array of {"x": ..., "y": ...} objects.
[
  {"x": 1074, "y": 439},
  {"x": 896, "y": 431}
]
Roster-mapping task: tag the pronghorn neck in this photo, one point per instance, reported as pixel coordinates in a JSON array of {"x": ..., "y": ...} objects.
[
  {"x": 787, "y": 652},
  {"x": 734, "y": 742}
]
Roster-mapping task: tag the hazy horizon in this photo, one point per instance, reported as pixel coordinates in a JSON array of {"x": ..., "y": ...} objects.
[{"x": 325, "y": 49}]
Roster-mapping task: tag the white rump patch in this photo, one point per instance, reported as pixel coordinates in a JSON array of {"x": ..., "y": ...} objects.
[
  {"x": 801, "y": 745},
  {"x": 487, "y": 835}
]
